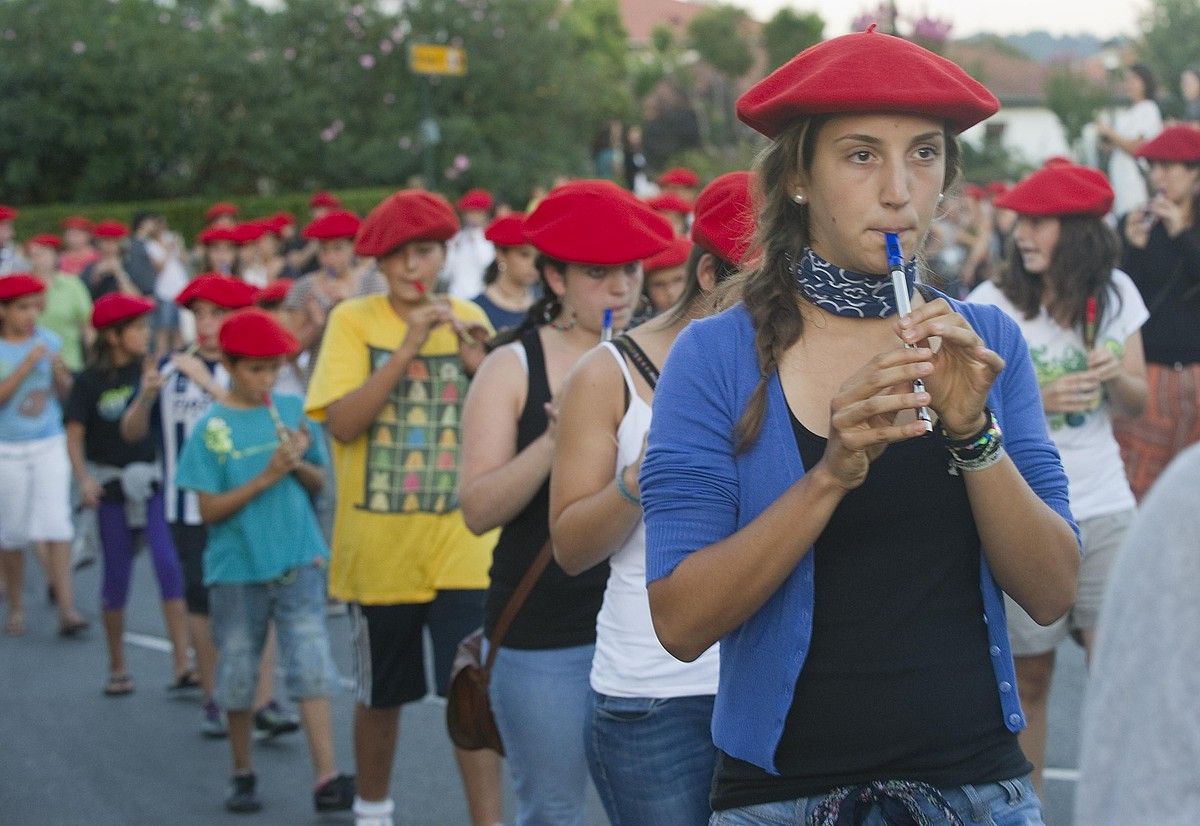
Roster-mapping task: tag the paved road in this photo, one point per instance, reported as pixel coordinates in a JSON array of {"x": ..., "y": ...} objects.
[{"x": 72, "y": 756}]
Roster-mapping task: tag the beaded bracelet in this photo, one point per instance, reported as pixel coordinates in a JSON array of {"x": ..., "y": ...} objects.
[
  {"x": 626, "y": 494},
  {"x": 980, "y": 451}
]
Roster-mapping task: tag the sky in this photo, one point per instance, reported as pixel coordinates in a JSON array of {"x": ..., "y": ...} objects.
[{"x": 1104, "y": 18}]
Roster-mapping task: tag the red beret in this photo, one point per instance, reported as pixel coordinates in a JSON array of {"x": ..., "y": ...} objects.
[
  {"x": 337, "y": 223},
  {"x": 507, "y": 230},
  {"x": 219, "y": 209},
  {"x": 114, "y": 308},
  {"x": 974, "y": 192},
  {"x": 214, "y": 235},
  {"x": 46, "y": 239},
  {"x": 8, "y": 213},
  {"x": 274, "y": 292},
  {"x": 479, "y": 199},
  {"x": 1175, "y": 144},
  {"x": 997, "y": 188},
  {"x": 219, "y": 289},
  {"x": 248, "y": 233},
  {"x": 407, "y": 215},
  {"x": 19, "y": 284},
  {"x": 669, "y": 202},
  {"x": 678, "y": 176},
  {"x": 724, "y": 217},
  {"x": 325, "y": 199},
  {"x": 253, "y": 333},
  {"x": 1060, "y": 189},
  {"x": 110, "y": 229},
  {"x": 280, "y": 220},
  {"x": 76, "y": 222},
  {"x": 674, "y": 255},
  {"x": 865, "y": 72},
  {"x": 596, "y": 222}
]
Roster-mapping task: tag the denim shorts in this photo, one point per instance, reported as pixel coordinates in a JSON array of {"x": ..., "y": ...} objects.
[
  {"x": 1007, "y": 803},
  {"x": 240, "y": 613}
]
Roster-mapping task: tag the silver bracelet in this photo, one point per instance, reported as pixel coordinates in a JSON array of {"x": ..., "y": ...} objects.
[{"x": 626, "y": 494}]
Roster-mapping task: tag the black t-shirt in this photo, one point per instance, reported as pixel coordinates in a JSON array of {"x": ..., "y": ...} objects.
[
  {"x": 898, "y": 682},
  {"x": 1167, "y": 273},
  {"x": 561, "y": 610},
  {"x": 98, "y": 398},
  {"x": 98, "y": 285}
]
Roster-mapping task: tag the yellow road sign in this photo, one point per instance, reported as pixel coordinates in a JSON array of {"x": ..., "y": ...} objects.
[{"x": 431, "y": 59}]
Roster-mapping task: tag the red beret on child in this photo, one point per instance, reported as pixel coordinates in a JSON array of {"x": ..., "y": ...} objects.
[
  {"x": 478, "y": 199},
  {"x": 338, "y": 223},
  {"x": 8, "y": 213},
  {"x": 219, "y": 210},
  {"x": 669, "y": 202},
  {"x": 1060, "y": 189},
  {"x": 248, "y": 233},
  {"x": 325, "y": 199},
  {"x": 114, "y": 308},
  {"x": 278, "y": 221},
  {"x": 219, "y": 289},
  {"x": 975, "y": 192},
  {"x": 110, "y": 229},
  {"x": 215, "y": 235},
  {"x": 77, "y": 222},
  {"x": 679, "y": 176},
  {"x": 254, "y": 333},
  {"x": 19, "y": 284},
  {"x": 996, "y": 188},
  {"x": 1175, "y": 144},
  {"x": 46, "y": 239},
  {"x": 596, "y": 222},
  {"x": 507, "y": 230},
  {"x": 274, "y": 293},
  {"x": 674, "y": 255},
  {"x": 865, "y": 72},
  {"x": 724, "y": 217},
  {"x": 407, "y": 215}
]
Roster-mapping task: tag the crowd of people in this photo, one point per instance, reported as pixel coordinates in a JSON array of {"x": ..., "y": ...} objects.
[{"x": 774, "y": 498}]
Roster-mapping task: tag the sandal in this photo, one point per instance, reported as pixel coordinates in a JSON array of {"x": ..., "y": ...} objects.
[
  {"x": 72, "y": 628},
  {"x": 188, "y": 679},
  {"x": 118, "y": 685}
]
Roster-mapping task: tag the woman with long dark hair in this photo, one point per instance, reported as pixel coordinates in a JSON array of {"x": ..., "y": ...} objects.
[
  {"x": 1081, "y": 319},
  {"x": 846, "y": 533}
]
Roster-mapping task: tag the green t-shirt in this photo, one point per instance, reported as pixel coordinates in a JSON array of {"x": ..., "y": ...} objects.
[
  {"x": 68, "y": 311},
  {"x": 276, "y": 530}
]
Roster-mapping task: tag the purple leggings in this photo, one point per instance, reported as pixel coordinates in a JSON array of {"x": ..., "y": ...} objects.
[{"x": 116, "y": 540}]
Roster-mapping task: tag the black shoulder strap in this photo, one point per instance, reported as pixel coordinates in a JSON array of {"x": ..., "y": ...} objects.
[{"x": 638, "y": 358}]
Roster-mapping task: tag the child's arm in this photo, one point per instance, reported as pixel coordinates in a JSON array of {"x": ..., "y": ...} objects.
[
  {"x": 11, "y": 382},
  {"x": 217, "y": 507},
  {"x": 89, "y": 490},
  {"x": 62, "y": 377},
  {"x": 135, "y": 421},
  {"x": 310, "y": 474}
]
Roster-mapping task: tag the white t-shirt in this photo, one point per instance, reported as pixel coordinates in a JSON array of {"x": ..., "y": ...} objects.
[
  {"x": 1140, "y": 121},
  {"x": 1090, "y": 455},
  {"x": 172, "y": 277},
  {"x": 629, "y": 660},
  {"x": 468, "y": 255}
]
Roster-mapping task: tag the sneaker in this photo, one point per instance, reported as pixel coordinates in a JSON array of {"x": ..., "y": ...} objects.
[
  {"x": 241, "y": 796},
  {"x": 270, "y": 721},
  {"x": 213, "y": 723},
  {"x": 335, "y": 795}
]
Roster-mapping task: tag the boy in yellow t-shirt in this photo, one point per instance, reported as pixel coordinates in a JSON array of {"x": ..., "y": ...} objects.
[{"x": 389, "y": 383}]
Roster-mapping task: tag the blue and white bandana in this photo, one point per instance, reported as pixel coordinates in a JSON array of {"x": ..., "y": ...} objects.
[{"x": 847, "y": 293}]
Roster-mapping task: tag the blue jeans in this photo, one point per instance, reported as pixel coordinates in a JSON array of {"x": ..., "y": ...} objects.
[
  {"x": 240, "y": 612},
  {"x": 541, "y": 700},
  {"x": 652, "y": 759},
  {"x": 1007, "y": 803}
]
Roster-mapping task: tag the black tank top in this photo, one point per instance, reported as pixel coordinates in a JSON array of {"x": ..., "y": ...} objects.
[{"x": 561, "y": 610}]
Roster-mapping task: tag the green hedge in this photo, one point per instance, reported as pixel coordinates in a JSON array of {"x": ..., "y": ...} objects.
[{"x": 186, "y": 215}]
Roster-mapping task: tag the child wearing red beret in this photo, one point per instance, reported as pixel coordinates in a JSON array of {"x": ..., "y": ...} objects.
[
  {"x": 841, "y": 511},
  {"x": 469, "y": 252},
  {"x": 122, "y": 482},
  {"x": 78, "y": 251},
  {"x": 509, "y": 280},
  {"x": 592, "y": 237},
  {"x": 11, "y": 259},
  {"x": 107, "y": 275},
  {"x": 389, "y": 385},
  {"x": 1161, "y": 252},
  {"x": 254, "y": 465},
  {"x": 34, "y": 470},
  {"x": 1081, "y": 319}
]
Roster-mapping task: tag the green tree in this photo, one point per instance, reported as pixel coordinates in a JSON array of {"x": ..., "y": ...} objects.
[
  {"x": 788, "y": 33},
  {"x": 1075, "y": 99},
  {"x": 1170, "y": 32},
  {"x": 717, "y": 35}
]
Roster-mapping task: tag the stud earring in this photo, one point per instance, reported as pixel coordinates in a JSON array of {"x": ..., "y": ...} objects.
[{"x": 799, "y": 198}]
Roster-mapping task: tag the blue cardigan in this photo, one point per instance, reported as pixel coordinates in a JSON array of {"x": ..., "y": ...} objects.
[{"x": 696, "y": 491}]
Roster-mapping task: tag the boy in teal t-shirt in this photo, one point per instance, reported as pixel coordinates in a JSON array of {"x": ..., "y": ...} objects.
[{"x": 253, "y": 465}]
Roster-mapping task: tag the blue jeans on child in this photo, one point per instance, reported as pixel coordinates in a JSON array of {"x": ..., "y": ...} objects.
[
  {"x": 1007, "y": 803},
  {"x": 240, "y": 612},
  {"x": 652, "y": 759},
  {"x": 541, "y": 700}
]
